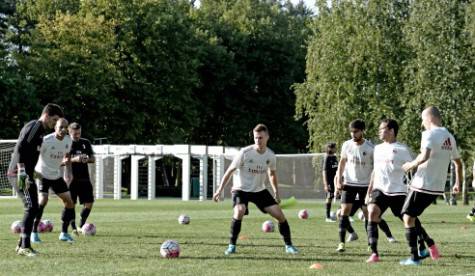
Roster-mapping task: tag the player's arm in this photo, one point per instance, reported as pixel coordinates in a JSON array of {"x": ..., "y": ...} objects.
[
  {"x": 339, "y": 173},
  {"x": 324, "y": 175},
  {"x": 421, "y": 158},
  {"x": 224, "y": 182},
  {"x": 90, "y": 153},
  {"x": 274, "y": 184},
  {"x": 370, "y": 188}
]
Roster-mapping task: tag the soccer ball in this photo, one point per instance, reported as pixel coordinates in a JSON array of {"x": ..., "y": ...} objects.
[
  {"x": 268, "y": 226},
  {"x": 48, "y": 224},
  {"x": 88, "y": 229},
  {"x": 361, "y": 215},
  {"x": 42, "y": 227},
  {"x": 183, "y": 219},
  {"x": 333, "y": 215},
  {"x": 16, "y": 227},
  {"x": 170, "y": 249},
  {"x": 303, "y": 214}
]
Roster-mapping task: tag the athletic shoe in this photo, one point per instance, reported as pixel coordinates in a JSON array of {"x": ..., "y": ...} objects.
[
  {"x": 341, "y": 247},
  {"x": 434, "y": 252},
  {"x": 65, "y": 237},
  {"x": 291, "y": 249},
  {"x": 352, "y": 237},
  {"x": 17, "y": 248},
  {"x": 424, "y": 253},
  {"x": 27, "y": 252},
  {"x": 330, "y": 220},
  {"x": 471, "y": 217},
  {"x": 231, "y": 249},
  {"x": 374, "y": 258},
  {"x": 77, "y": 231},
  {"x": 410, "y": 261},
  {"x": 392, "y": 240},
  {"x": 351, "y": 219},
  {"x": 35, "y": 238}
]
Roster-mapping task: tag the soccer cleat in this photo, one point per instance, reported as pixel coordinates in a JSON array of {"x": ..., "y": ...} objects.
[
  {"x": 330, "y": 220},
  {"x": 291, "y": 249},
  {"x": 409, "y": 262},
  {"x": 27, "y": 252},
  {"x": 341, "y": 247},
  {"x": 35, "y": 238},
  {"x": 424, "y": 253},
  {"x": 392, "y": 240},
  {"x": 352, "y": 237},
  {"x": 374, "y": 258},
  {"x": 65, "y": 237},
  {"x": 231, "y": 249},
  {"x": 471, "y": 217},
  {"x": 434, "y": 252}
]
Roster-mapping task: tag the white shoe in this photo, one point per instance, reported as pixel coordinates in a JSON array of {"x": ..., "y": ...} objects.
[
  {"x": 352, "y": 237},
  {"x": 351, "y": 219},
  {"x": 392, "y": 240},
  {"x": 330, "y": 220}
]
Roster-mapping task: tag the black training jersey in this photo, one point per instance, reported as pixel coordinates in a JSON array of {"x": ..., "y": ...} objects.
[
  {"x": 330, "y": 166},
  {"x": 27, "y": 148},
  {"x": 80, "y": 170}
]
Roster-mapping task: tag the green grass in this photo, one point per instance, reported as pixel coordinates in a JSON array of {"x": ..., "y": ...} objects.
[{"x": 129, "y": 234}]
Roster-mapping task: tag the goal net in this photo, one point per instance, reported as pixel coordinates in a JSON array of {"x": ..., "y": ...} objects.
[{"x": 6, "y": 150}]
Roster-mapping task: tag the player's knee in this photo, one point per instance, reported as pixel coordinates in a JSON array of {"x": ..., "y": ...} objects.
[{"x": 239, "y": 211}]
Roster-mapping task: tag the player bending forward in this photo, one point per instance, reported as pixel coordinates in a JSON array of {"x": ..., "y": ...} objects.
[{"x": 250, "y": 167}]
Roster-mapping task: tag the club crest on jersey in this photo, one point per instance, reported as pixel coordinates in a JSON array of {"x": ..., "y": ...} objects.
[
  {"x": 52, "y": 147},
  {"x": 394, "y": 151},
  {"x": 447, "y": 145},
  {"x": 251, "y": 161},
  {"x": 364, "y": 153},
  {"x": 83, "y": 146},
  {"x": 267, "y": 161}
]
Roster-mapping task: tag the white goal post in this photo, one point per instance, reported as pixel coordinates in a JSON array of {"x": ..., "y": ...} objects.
[{"x": 198, "y": 171}]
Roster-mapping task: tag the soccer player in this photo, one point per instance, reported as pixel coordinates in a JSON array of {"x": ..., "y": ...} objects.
[
  {"x": 81, "y": 186},
  {"x": 354, "y": 171},
  {"x": 471, "y": 215},
  {"x": 250, "y": 167},
  {"x": 330, "y": 165},
  {"x": 21, "y": 170},
  {"x": 438, "y": 147},
  {"x": 387, "y": 188},
  {"x": 54, "y": 153}
]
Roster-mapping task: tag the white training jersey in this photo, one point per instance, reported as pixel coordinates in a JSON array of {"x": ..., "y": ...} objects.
[
  {"x": 388, "y": 172},
  {"x": 359, "y": 163},
  {"x": 431, "y": 175},
  {"x": 251, "y": 169},
  {"x": 52, "y": 152}
]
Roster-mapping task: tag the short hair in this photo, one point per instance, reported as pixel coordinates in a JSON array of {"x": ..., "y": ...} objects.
[
  {"x": 52, "y": 109},
  {"x": 260, "y": 127},
  {"x": 75, "y": 126},
  {"x": 391, "y": 124},
  {"x": 330, "y": 145},
  {"x": 358, "y": 124},
  {"x": 434, "y": 112}
]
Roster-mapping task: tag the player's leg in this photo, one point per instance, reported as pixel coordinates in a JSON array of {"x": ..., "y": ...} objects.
[
  {"x": 471, "y": 215},
  {"x": 239, "y": 210},
  {"x": 347, "y": 199},
  {"x": 328, "y": 204},
  {"x": 372, "y": 231},
  {"x": 86, "y": 198},
  {"x": 43, "y": 201},
  {"x": 29, "y": 198},
  {"x": 73, "y": 192},
  {"x": 68, "y": 214}
]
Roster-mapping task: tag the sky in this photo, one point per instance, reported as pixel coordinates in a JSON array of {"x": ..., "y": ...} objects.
[{"x": 309, "y": 3}]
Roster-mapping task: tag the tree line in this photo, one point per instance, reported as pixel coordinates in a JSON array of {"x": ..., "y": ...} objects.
[{"x": 172, "y": 71}]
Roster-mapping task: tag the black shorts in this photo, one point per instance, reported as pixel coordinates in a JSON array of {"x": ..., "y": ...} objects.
[
  {"x": 82, "y": 189},
  {"x": 262, "y": 199},
  {"x": 348, "y": 195},
  {"x": 417, "y": 202},
  {"x": 356, "y": 205},
  {"x": 384, "y": 202},
  {"x": 58, "y": 185}
]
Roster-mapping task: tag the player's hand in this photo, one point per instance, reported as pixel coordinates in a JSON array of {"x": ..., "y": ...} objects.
[
  {"x": 84, "y": 158},
  {"x": 325, "y": 188},
  {"x": 23, "y": 182},
  {"x": 456, "y": 189},
  {"x": 367, "y": 199},
  {"x": 277, "y": 198},
  {"x": 217, "y": 196},
  {"x": 407, "y": 166}
]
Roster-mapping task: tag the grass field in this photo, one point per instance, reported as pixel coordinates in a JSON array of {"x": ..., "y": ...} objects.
[{"x": 129, "y": 235}]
